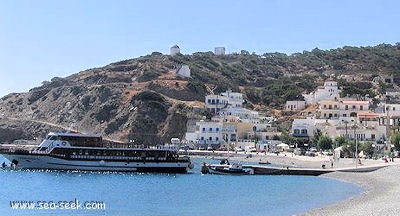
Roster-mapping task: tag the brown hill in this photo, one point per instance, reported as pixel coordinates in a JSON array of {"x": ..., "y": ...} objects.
[{"x": 144, "y": 100}]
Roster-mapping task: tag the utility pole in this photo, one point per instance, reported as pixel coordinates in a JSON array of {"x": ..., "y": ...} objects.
[
  {"x": 387, "y": 129},
  {"x": 355, "y": 137}
]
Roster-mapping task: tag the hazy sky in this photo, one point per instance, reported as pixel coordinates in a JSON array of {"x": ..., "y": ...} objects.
[{"x": 40, "y": 39}]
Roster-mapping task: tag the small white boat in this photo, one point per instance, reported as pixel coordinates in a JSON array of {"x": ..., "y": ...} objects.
[{"x": 226, "y": 169}]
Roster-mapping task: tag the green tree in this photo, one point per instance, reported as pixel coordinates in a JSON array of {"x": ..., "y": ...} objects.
[
  {"x": 325, "y": 142},
  {"x": 287, "y": 138},
  {"x": 349, "y": 148},
  {"x": 340, "y": 140},
  {"x": 367, "y": 148},
  {"x": 395, "y": 140},
  {"x": 317, "y": 135}
]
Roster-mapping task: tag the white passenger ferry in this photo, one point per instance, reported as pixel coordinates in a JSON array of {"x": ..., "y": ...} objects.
[{"x": 74, "y": 151}]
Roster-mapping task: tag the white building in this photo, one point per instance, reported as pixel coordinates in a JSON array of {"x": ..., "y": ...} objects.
[
  {"x": 303, "y": 128},
  {"x": 175, "y": 50},
  {"x": 295, "y": 105},
  {"x": 184, "y": 71},
  {"x": 351, "y": 108},
  {"x": 215, "y": 103},
  {"x": 235, "y": 99},
  {"x": 389, "y": 116},
  {"x": 207, "y": 133},
  {"x": 245, "y": 115},
  {"x": 329, "y": 91},
  {"x": 219, "y": 51},
  {"x": 366, "y": 129}
]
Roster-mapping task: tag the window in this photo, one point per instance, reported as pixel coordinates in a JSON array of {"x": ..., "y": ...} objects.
[
  {"x": 202, "y": 138},
  {"x": 346, "y": 107},
  {"x": 344, "y": 115},
  {"x": 209, "y": 101},
  {"x": 296, "y": 131},
  {"x": 210, "y": 138},
  {"x": 216, "y": 138},
  {"x": 304, "y": 131},
  {"x": 324, "y": 105},
  {"x": 204, "y": 129},
  {"x": 217, "y": 129},
  {"x": 354, "y": 106},
  {"x": 361, "y": 107},
  {"x": 330, "y": 106},
  {"x": 210, "y": 129}
]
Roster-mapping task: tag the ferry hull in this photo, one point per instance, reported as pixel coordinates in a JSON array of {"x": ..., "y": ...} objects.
[{"x": 38, "y": 161}]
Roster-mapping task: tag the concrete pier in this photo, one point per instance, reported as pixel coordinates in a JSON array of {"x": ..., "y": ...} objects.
[{"x": 267, "y": 170}]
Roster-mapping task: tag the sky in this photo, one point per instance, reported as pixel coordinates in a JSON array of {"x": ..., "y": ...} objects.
[{"x": 42, "y": 39}]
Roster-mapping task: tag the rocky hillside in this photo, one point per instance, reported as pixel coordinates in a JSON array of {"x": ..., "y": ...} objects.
[{"x": 144, "y": 100}]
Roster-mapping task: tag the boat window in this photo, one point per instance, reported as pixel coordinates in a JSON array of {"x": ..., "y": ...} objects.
[
  {"x": 43, "y": 149},
  {"x": 53, "y": 138}
]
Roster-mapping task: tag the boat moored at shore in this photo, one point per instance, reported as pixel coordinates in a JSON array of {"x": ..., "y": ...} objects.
[
  {"x": 74, "y": 151},
  {"x": 226, "y": 168}
]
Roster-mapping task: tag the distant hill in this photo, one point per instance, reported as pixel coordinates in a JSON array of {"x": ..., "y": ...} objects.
[{"x": 143, "y": 100}]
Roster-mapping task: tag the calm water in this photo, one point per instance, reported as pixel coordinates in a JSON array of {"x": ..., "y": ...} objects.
[{"x": 171, "y": 194}]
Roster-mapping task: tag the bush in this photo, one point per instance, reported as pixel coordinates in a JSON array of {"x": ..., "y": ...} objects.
[{"x": 148, "y": 76}]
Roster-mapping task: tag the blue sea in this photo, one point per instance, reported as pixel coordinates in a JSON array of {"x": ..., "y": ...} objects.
[{"x": 166, "y": 194}]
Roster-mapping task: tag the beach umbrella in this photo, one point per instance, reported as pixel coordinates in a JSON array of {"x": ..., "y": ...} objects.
[
  {"x": 283, "y": 146},
  {"x": 361, "y": 154},
  {"x": 338, "y": 151}
]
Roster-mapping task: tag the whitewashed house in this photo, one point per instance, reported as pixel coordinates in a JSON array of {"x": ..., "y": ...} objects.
[
  {"x": 351, "y": 108},
  {"x": 235, "y": 99},
  {"x": 295, "y": 105},
  {"x": 245, "y": 115},
  {"x": 209, "y": 133},
  {"x": 329, "y": 91},
  {"x": 215, "y": 103},
  {"x": 303, "y": 128}
]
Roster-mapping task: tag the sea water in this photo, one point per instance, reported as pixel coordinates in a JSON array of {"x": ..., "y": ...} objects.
[{"x": 167, "y": 194}]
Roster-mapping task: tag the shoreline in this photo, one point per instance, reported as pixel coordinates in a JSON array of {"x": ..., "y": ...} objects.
[
  {"x": 379, "y": 198},
  {"x": 381, "y": 187}
]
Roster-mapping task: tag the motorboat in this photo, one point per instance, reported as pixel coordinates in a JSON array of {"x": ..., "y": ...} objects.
[{"x": 226, "y": 168}]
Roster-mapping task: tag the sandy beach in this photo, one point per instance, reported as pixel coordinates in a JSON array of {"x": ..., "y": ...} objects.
[
  {"x": 381, "y": 194},
  {"x": 382, "y": 189}
]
